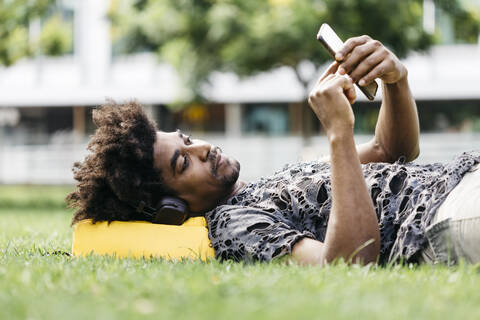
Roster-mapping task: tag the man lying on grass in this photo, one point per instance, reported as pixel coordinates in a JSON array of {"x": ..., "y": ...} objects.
[{"x": 366, "y": 203}]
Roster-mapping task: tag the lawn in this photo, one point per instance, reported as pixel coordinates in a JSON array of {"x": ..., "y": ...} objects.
[{"x": 38, "y": 282}]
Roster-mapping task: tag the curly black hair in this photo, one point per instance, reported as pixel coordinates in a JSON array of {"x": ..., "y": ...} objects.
[{"x": 118, "y": 172}]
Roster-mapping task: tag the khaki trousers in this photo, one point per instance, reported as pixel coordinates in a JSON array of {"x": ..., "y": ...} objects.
[{"x": 454, "y": 233}]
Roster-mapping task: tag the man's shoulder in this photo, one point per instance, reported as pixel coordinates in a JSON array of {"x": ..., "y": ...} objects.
[
  {"x": 234, "y": 211},
  {"x": 268, "y": 186}
]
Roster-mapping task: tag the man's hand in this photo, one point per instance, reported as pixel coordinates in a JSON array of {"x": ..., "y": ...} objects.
[
  {"x": 330, "y": 99},
  {"x": 365, "y": 59}
]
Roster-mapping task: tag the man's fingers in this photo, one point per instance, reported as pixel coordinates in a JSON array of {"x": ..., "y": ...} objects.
[
  {"x": 332, "y": 83},
  {"x": 367, "y": 65},
  {"x": 357, "y": 55},
  {"x": 349, "y": 45},
  {"x": 344, "y": 82},
  {"x": 321, "y": 81},
  {"x": 332, "y": 68},
  {"x": 376, "y": 72},
  {"x": 318, "y": 86},
  {"x": 351, "y": 95},
  {"x": 327, "y": 78}
]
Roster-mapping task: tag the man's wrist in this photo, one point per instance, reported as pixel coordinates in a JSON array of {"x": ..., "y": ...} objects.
[
  {"x": 340, "y": 137},
  {"x": 402, "y": 79},
  {"x": 398, "y": 87}
]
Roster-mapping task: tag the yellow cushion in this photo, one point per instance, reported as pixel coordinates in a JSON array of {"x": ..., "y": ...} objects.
[{"x": 143, "y": 239}]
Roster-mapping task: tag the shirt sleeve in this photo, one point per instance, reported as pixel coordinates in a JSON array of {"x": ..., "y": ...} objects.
[{"x": 250, "y": 234}]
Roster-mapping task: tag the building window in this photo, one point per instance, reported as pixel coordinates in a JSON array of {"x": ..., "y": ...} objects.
[{"x": 270, "y": 119}]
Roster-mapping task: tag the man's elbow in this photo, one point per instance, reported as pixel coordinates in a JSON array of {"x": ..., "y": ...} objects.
[
  {"x": 409, "y": 152},
  {"x": 363, "y": 255},
  {"x": 308, "y": 252},
  {"x": 312, "y": 252},
  {"x": 368, "y": 254},
  {"x": 413, "y": 153},
  {"x": 411, "y": 146}
]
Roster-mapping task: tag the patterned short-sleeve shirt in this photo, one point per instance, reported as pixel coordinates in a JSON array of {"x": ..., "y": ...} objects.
[{"x": 267, "y": 217}]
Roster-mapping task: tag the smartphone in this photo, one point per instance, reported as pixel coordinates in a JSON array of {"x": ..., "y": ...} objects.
[{"x": 333, "y": 44}]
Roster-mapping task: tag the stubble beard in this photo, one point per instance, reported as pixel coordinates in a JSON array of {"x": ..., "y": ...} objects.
[{"x": 228, "y": 180}]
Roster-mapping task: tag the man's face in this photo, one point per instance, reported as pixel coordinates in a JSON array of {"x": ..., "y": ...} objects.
[{"x": 197, "y": 171}]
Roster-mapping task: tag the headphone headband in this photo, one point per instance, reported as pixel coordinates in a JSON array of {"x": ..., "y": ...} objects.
[{"x": 169, "y": 210}]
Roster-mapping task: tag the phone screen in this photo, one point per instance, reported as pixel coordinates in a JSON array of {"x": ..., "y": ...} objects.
[{"x": 330, "y": 37}]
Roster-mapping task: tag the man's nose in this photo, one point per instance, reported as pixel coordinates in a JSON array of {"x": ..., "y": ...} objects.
[{"x": 199, "y": 149}]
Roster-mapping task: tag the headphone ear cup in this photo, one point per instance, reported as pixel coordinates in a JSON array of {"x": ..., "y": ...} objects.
[{"x": 171, "y": 210}]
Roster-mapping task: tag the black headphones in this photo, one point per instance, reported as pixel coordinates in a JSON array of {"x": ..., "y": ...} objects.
[{"x": 169, "y": 210}]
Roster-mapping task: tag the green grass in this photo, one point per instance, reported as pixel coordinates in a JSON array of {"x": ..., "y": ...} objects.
[
  {"x": 37, "y": 284},
  {"x": 33, "y": 196}
]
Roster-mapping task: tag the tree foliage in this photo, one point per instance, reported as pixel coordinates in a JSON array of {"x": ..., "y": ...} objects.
[
  {"x": 16, "y": 39},
  {"x": 250, "y": 36}
]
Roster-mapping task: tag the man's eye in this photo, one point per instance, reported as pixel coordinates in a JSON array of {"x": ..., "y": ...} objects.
[{"x": 185, "y": 163}]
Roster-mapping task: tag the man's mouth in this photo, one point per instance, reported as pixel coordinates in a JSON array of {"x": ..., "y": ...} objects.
[{"x": 216, "y": 158}]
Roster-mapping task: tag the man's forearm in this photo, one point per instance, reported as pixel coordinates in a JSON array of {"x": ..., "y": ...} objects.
[
  {"x": 352, "y": 219},
  {"x": 398, "y": 129},
  {"x": 352, "y": 222}
]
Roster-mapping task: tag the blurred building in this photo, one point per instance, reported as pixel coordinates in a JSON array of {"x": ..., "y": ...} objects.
[{"x": 48, "y": 101}]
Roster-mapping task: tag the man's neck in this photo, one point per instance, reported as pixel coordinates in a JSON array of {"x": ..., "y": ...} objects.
[{"x": 236, "y": 188}]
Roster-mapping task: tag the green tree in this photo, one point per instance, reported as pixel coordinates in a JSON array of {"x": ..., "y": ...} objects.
[
  {"x": 250, "y": 36},
  {"x": 16, "y": 42},
  {"x": 466, "y": 18}
]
